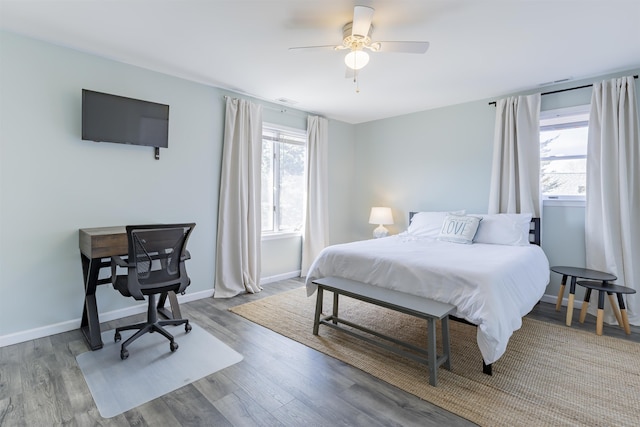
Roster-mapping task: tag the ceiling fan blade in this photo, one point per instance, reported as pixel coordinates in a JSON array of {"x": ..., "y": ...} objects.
[
  {"x": 331, "y": 47},
  {"x": 403, "y": 47},
  {"x": 362, "y": 16}
]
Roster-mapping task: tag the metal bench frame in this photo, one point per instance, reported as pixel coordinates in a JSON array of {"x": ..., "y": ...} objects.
[{"x": 423, "y": 308}]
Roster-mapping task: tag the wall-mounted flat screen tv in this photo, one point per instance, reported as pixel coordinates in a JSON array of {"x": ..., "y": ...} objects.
[{"x": 112, "y": 118}]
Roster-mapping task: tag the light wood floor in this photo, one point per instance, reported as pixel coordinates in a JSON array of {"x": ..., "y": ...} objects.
[{"x": 279, "y": 382}]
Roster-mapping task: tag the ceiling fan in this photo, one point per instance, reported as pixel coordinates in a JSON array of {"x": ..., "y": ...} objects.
[{"x": 356, "y": 38}]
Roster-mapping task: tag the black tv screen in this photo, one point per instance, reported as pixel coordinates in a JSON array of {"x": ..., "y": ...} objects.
[{"x": 112, "y": 118}]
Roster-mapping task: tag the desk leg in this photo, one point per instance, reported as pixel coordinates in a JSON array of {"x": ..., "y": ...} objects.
[
  {"x": 90, "y": 324},
  {"x": 173, "y": 302},
  {"x": 572, "y": 291}
]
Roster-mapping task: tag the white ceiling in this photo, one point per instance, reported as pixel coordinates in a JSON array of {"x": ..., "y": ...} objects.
[{"x": 479, "y": 48}]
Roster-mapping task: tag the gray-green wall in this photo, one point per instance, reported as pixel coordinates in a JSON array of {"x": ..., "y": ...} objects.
[
  {"x": 52, "y": 183},
  {"x": 441, "y": 159}
]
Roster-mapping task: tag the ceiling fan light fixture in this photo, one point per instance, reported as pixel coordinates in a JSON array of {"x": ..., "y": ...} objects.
[{"x": 356, "y": 59}]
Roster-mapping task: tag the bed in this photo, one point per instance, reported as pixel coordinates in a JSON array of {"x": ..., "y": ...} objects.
[{"x": 494, "y": 279}]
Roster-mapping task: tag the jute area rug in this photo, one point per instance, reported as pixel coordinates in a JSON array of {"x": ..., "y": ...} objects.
[{"x": 549, "y": 375}]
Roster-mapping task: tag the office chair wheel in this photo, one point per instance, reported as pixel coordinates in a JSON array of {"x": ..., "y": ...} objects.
[
  {"x": 117, "y": 337},
  {"x": 124, "y": 354},
  {"x": 187, "y": 328},
  {"x": 173, "y": 346}
]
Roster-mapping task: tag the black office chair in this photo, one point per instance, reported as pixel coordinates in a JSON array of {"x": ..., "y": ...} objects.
[{"x": 155, "y": 265}]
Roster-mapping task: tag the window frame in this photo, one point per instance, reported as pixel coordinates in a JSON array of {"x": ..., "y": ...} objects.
[
  {"x": 563, "y": 200},
  {"x": 286, "y": 135}
]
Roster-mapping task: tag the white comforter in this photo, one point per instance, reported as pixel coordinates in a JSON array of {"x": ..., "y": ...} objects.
[{"x": 492, "y": 286}]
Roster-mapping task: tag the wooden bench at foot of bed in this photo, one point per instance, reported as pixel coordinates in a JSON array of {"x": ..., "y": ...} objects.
[{"x": 423, "y": 308}]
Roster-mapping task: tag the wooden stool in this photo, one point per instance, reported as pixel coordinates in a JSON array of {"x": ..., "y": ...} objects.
[
  {"x": 609, "y": 289},
  {"x": 574, "y": 273}
]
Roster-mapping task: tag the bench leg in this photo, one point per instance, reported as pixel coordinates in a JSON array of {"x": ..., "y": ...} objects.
[
  {"x": 432, "y": 355},
  {"x": 446, "y": 343},
  {"x": 316, "y": 317},
  {"x": 335, "y": 307}
]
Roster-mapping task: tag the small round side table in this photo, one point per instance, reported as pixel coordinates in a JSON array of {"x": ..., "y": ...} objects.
[
  {"x": 575, "y": 273},
  {"x": 602, "y": 288}
]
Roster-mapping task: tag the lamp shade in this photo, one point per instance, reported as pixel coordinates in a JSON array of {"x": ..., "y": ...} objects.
[
  {"x": 380, "y": 215},
  {"x": 356, "y": 59}
]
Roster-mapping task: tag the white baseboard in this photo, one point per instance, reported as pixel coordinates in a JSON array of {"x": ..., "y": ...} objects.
[
  {"x": 70, "y": 325},
  {"x": 284, "y": 276},
  {"x": 551, "y": 299}
]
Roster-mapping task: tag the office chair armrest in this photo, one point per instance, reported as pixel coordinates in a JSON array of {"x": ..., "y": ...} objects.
[
  {"x": 114, "y": 263},
  {"x": 117, "y": 260}
]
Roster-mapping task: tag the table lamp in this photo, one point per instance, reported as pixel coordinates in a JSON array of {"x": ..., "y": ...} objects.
[{"x": 381, "y": 216}]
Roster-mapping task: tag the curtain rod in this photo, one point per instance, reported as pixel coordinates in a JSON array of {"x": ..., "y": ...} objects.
[
  {"x": 280, "y": 110},
  {"x": 562, "y": 90}
]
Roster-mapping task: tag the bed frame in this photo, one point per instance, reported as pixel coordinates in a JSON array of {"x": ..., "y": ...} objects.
[{"x": 534, "y": 238}]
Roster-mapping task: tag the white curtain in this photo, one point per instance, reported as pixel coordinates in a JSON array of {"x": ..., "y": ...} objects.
[
  {"x": 515, "y": 176},
  {"x": 239, "y": 220},
  {"x": 612, "y": 234},
  {"x": 316, "y": 225}
]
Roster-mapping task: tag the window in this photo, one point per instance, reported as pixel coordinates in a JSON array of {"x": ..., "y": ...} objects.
[
  {"x": 563, "y": 153},
  {"x": 283, "y": 158}
]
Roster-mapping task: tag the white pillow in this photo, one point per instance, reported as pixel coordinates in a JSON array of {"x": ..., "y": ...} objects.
[
  {"x": 459, "y": 229},
  {"x": 428, "y": 224},
  {"x": 504, "y": 229}
]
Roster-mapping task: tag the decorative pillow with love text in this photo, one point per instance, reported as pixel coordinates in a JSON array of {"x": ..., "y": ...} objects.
[{"x": 459, "y": 229}]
